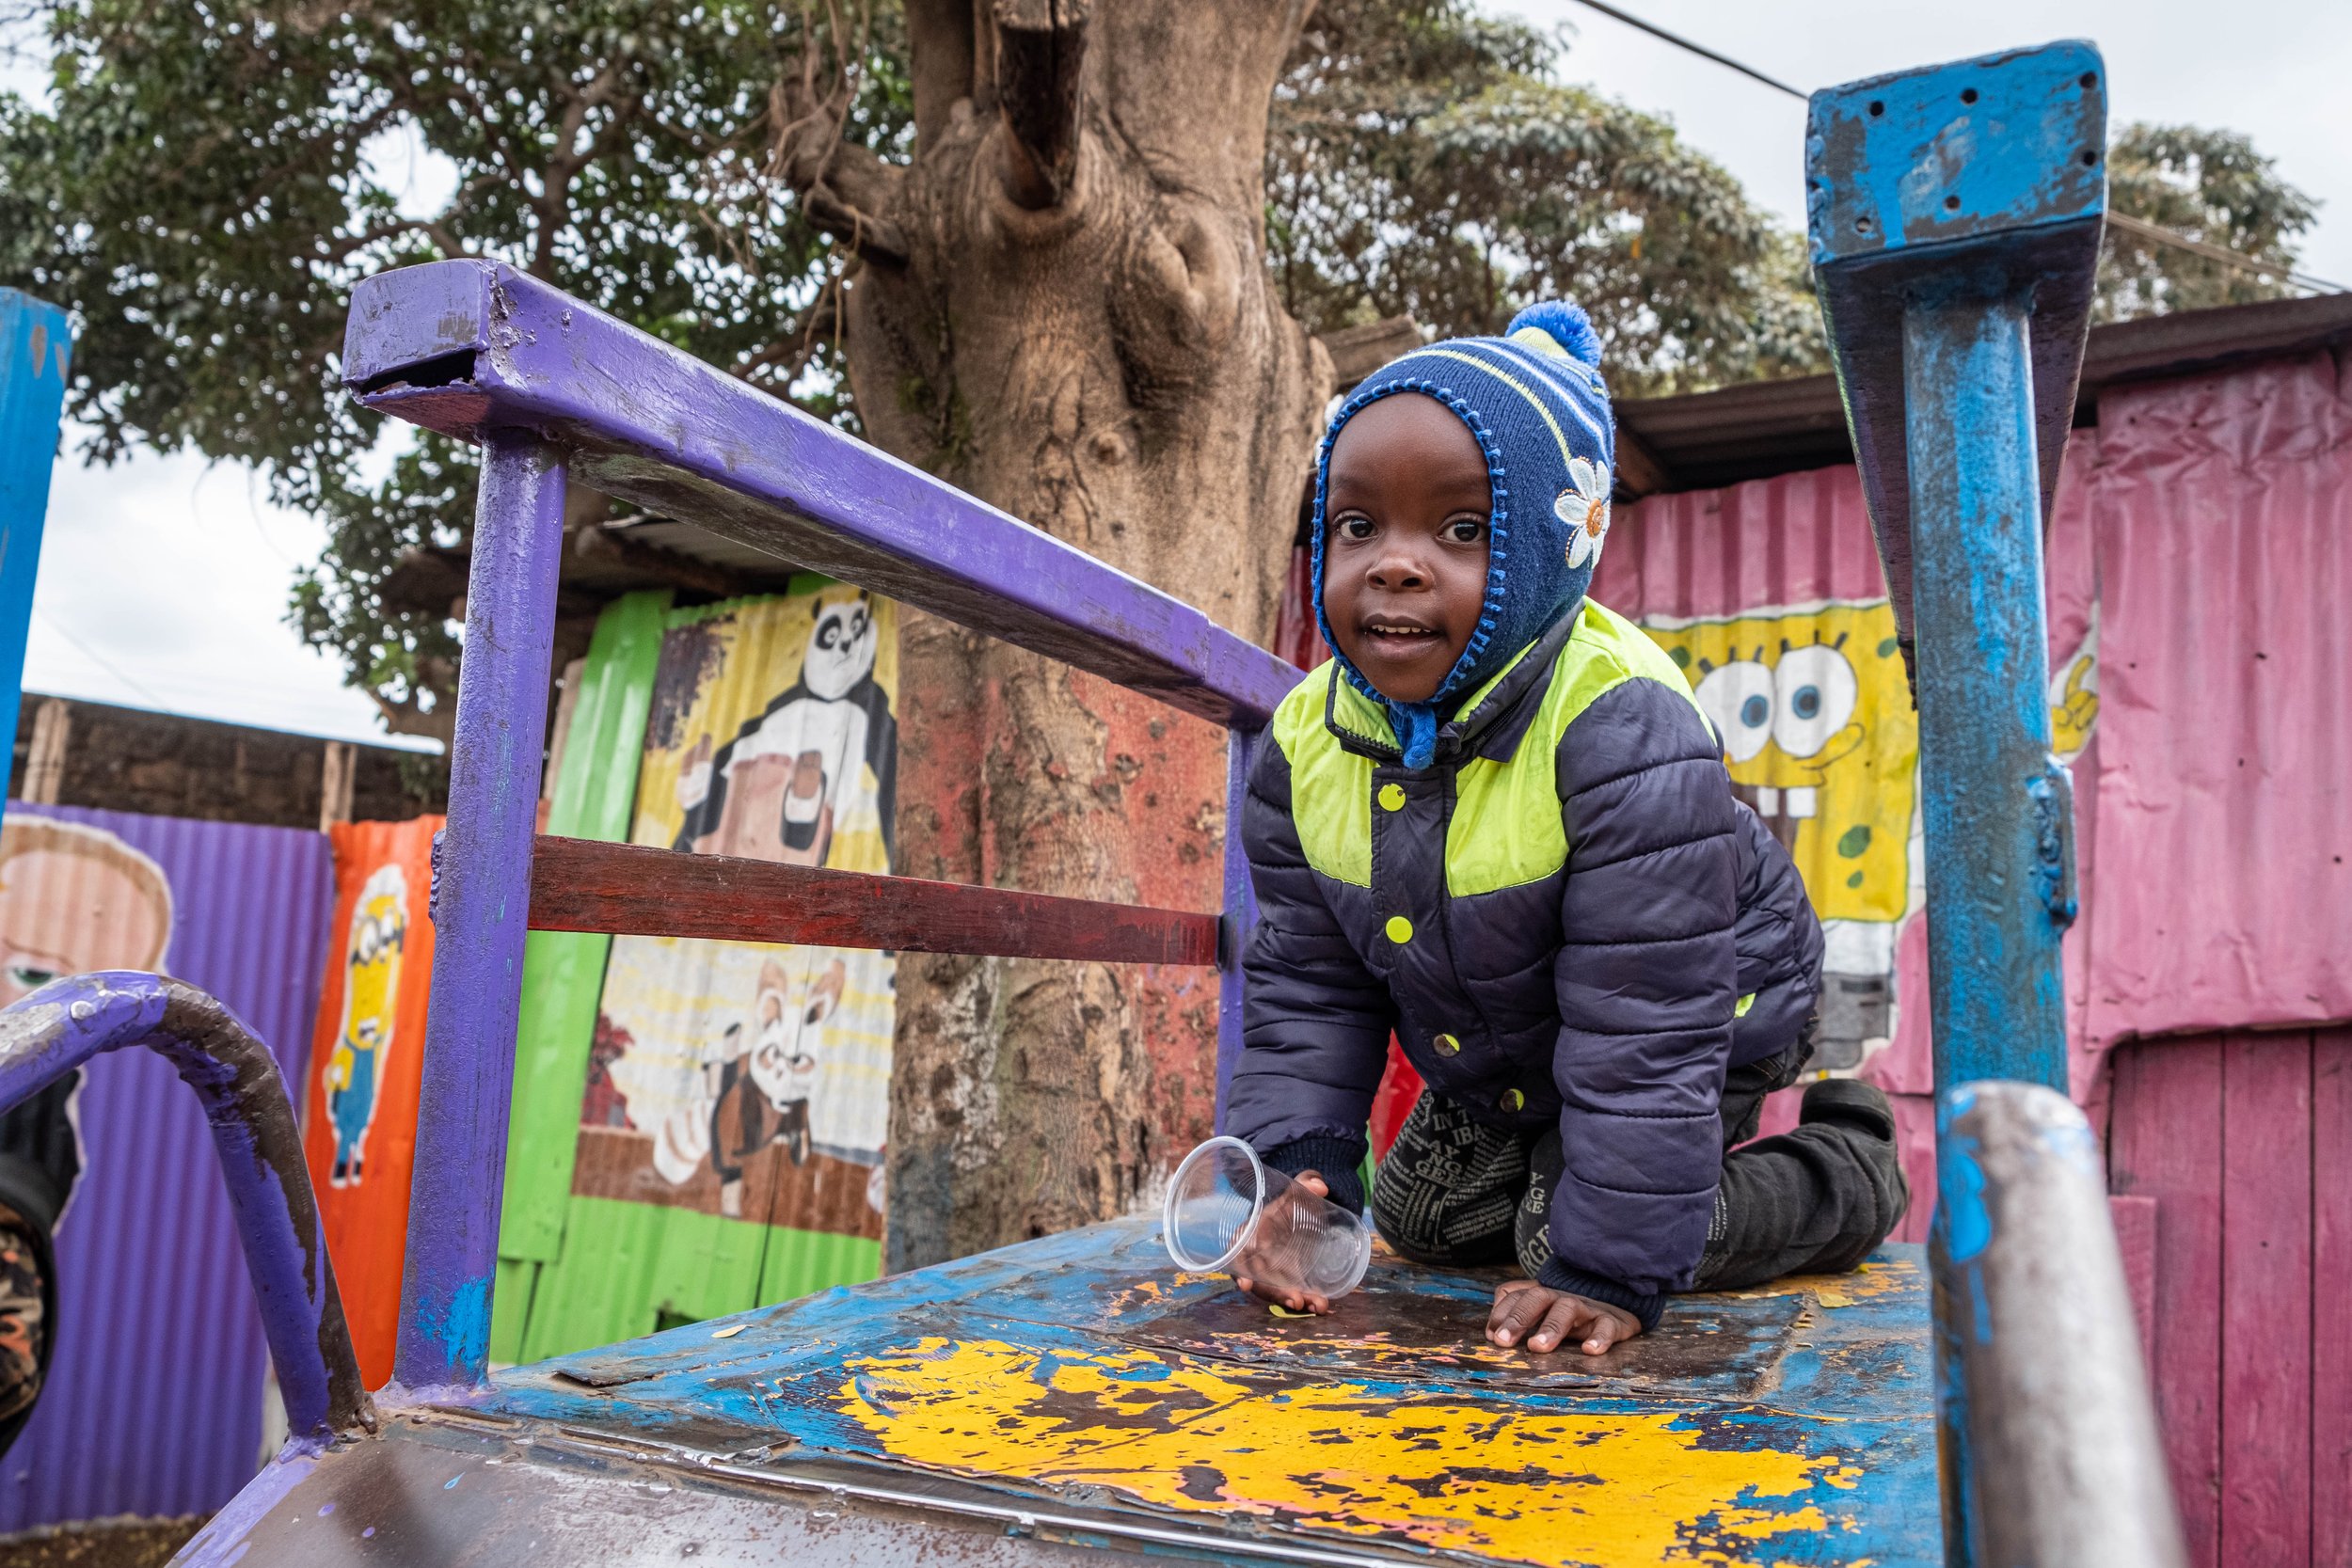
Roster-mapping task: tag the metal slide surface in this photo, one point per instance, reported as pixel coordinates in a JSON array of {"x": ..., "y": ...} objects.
[{"x": 1075, "y": 1393}]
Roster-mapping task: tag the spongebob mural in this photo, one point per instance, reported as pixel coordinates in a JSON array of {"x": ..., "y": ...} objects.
[
  {"x": 355, "y": 1070},
  {"x": 1820, "y": 738}
]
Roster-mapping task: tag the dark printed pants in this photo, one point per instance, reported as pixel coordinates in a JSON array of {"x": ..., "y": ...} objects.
[{"x": 1456, "y": 1193}]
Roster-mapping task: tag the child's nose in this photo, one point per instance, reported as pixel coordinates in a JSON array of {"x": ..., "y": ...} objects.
[{"x": 1398, "y": 571}]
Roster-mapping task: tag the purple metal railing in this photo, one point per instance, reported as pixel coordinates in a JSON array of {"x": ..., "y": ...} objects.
[
  {"x": 478, "y": 351},
  {"x": 68, "y": 1021},
  {"x": 481, "y": 915}
]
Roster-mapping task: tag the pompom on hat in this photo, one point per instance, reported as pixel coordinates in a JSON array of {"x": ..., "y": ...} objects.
[{"x": 1535, "y": 400}]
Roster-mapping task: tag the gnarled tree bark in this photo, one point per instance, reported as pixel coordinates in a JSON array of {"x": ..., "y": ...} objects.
[{"x": 1063, "y": 308}]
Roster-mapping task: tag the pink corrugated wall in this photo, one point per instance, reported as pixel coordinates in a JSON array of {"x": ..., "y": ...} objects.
[
  {"x": 154, "y": 1400},
  {"x": 1805, "y": 539},
  {"x": 2202, "y": 543},
  {"x": 2222, "y": 515}
]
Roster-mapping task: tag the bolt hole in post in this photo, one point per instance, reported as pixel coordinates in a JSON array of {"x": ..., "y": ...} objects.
[
  {"x": 1967, "y": 95},
  {"x": 1227, "y": 1214}
]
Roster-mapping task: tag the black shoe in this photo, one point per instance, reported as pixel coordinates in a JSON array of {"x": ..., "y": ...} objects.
[
  {"x": 1850, "y": 1101},
  {"x": 1863, "y": 1107}
]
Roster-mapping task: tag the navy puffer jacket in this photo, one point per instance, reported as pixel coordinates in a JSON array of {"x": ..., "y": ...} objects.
[{"x": 1564, "y": 919}]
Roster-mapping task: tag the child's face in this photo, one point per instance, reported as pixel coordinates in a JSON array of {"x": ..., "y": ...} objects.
[{"x": 1405, "y": 554}]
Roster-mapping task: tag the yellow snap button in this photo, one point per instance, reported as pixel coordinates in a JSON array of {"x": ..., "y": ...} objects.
[
  {"x": 1447, "y": 1045},
  {"x": 1513, "y": 1099},
  {"x": 1400, "y": 930},
  {"x": 1392, "y": 797}
]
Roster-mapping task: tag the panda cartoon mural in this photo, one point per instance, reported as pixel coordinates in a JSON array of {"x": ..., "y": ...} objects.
[
  {"x": 751, "y": 1080},
  {"x": 775, "y": 790}
]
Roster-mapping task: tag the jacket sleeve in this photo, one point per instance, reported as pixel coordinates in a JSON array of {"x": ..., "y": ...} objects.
[
  {"x": 1315, "y": 1022},
  {"x": 1645, "y": 980},
  {"x": 1779, "y": 940}
]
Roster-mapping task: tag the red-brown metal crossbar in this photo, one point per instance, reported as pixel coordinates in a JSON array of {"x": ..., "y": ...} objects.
[{"x": 580, "y": 884}]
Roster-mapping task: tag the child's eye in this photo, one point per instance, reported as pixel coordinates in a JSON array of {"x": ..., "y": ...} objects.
[
  {"x": 1466, "y": 530},
  {"x": 1356, "y": 528}
]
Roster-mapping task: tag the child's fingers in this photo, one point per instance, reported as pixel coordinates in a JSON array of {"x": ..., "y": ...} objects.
[
  {"x": 1600, "y": 1330},
  {"x": 1515, "y": 1314},
  {"x": 1559, "y": 1322}
]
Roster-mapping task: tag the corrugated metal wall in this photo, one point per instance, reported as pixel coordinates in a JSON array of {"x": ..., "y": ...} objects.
[{"x": 154, "y": 1399}]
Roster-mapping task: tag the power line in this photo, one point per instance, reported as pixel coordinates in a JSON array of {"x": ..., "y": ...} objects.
[
  {"x": 2223, "y": 254},
  {"x": 1699, "y": 48},
  {"x": 2125, "y": 221},
  {"x": 101, "y": 660}
]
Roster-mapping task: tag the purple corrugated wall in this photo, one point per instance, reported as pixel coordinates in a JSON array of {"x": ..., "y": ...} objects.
[{"x": 154, "y": 1400}]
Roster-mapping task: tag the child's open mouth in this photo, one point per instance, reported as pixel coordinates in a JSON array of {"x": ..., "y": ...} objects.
[{"x": 1402, "y": 635}]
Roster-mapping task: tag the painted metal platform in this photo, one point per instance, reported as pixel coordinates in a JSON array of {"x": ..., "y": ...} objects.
[{"x": 1075, "y": 1393}]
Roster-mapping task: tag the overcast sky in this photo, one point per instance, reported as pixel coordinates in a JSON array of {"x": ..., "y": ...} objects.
[{"x": 164, "y": 581}]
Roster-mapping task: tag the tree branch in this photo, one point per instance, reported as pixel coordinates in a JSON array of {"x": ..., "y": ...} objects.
[
  {"x": 847, "y": 190},
  {"x": 1040, "y": 55}
]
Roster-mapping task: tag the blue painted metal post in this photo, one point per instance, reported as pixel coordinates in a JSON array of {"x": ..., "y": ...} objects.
[
  {"x": 480, "y": 911},
  {"x": 1954, "y": 222},
  {"x": 1954, "y": 225},
  {"x": 1241, "y": 911},
  {"x": 35, "y": 346},
  {"x": 1996, "y": 807}
]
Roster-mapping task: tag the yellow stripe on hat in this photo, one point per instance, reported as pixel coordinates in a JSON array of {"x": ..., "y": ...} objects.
[{"x": 1566, "y": 454}]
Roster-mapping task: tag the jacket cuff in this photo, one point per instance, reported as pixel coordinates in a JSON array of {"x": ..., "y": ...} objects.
[
  {"x": 1557, "y": 1276},
  {"x": 1339, "y": 1161}
]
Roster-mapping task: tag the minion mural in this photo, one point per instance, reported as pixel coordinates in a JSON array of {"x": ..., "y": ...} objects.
[
  {"x": 374, "y": 945},
  {"x": 1820, "y": 738}
]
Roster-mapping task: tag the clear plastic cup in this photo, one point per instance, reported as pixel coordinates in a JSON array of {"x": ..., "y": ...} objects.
[{"x": 1227, "y": 1214}]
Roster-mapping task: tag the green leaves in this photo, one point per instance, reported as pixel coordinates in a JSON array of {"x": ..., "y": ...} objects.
[
  {"x": 1423, "y": 160},
  {"x": 2210, "y": 186},
  {"x": 211, "y": 179}
]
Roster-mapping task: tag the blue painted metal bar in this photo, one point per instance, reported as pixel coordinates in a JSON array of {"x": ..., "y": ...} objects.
[
  {"x": 36, "y": 348},
  {"x": 68, "y": 1021},
  {"x": 481, "y": 908},
  {"x": 462, "y": 346},
  {"x": 1996, "y": 807},
  {"x": 1240, "y": 912},
  {"x": 1954, "y": 226}
]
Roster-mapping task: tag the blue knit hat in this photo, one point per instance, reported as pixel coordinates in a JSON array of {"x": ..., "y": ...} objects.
[{"x": 1533, "y": 397}]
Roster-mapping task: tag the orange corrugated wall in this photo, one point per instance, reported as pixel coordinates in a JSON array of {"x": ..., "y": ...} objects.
[{"x": 367, "y": 1220}]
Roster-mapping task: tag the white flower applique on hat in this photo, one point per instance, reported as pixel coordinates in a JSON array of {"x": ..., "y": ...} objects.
[{"x": 1584, "y": 507}]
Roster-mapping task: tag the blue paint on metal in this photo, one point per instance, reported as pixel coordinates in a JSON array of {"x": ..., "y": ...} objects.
[
  {"x": 1954, "y": 151},
  {"x": 1954, "y": 217},
  {"x": 1984, "y": 720},
  {"x": 1856, "y": 1380},
  {"x": 1934, "y": 195},
  {"x": 36, "y": 348},
  {"x": 1989, "y": 175},
  {"x": 1959, "y": 1181}
]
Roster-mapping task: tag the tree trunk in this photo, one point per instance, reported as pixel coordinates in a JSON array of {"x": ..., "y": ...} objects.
[{"x": 1064, "y": 308}]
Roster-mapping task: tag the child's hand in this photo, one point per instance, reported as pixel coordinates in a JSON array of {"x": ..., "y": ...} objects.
[
  {"x": 1544, "y": 1319},
  {"x": 1289, "y": 1300}
]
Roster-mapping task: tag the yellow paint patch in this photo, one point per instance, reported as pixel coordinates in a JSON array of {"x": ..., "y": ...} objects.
[
  {"x": 1866, "y": 1283},
  {"x": 1596, "y": 1489}
]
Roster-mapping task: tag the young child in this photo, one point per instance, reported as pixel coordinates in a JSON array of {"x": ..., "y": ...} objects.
[{"x": 1498, "y": 826}]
